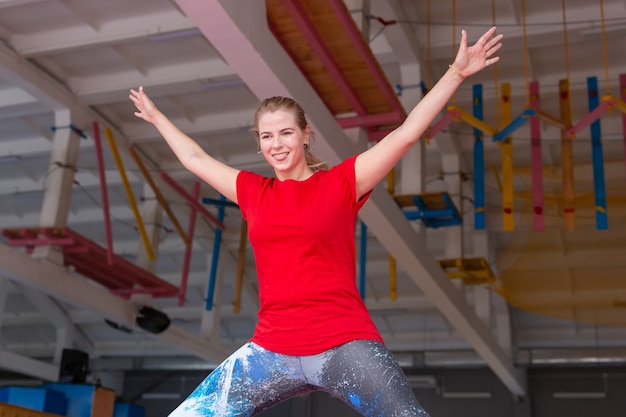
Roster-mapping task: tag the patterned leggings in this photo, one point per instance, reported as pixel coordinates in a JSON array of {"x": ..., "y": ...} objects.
[{"x": 362, "y": 373}]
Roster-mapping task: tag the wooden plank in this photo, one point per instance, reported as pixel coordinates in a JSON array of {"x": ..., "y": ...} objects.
[{"x": 342, "y": 49}]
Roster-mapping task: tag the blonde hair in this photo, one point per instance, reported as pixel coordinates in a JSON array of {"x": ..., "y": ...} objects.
[{"x": 273, "y": 104}]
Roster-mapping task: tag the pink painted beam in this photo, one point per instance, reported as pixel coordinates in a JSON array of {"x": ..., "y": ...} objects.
[
  {"x": 299, "y": 15},
  {"x": 89, "y": 259},
  {"x": 622, "y": 89},
  {"x": 103, "y": 190},
  {"x": 187, "y": 259},
  {"x": 537, "y": 161},
  {"x": 193, "y": 202},
  {"x": 366, "y": 54},
  {"x": 442, "y": 123},
  {"x": 591, "y": 117}
]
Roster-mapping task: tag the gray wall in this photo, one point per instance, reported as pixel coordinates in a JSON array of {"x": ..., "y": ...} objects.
[{"x": 543, "y": 383}]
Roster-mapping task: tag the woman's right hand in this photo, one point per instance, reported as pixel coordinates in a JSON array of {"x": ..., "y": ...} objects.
[{"x": 146, "y": 108}]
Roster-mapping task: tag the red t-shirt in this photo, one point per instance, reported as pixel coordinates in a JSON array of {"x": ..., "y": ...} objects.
[{"x": 302, "y": 234}]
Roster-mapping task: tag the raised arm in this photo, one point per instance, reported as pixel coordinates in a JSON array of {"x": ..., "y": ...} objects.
[
  {"x": 215, "y": 173},
  {"x": 373, "y": 165}
]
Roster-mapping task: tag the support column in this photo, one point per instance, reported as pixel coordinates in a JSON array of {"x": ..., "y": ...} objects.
[
  {"x": 61, "y": 170},
  {"x": 482, "y": 293},
  {"x": 451, "y": 163},
  {"x": 59, "y": 180},
  {"x": 4, "y": 289}
]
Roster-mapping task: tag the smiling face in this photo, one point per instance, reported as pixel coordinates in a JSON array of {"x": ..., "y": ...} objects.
[{"x": 282, "y": 142}]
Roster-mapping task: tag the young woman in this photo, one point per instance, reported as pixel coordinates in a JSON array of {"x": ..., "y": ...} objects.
[{"x": 314, "y": 331}]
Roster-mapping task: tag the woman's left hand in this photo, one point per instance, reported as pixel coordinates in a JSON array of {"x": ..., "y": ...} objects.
[{"x": 470, "y": 60}]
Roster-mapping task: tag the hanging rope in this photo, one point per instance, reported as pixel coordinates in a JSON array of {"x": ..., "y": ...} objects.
[
  {"x": 604, "y": 49},
  {"x": 565, "y": 41},
  {"x": 454, "y": 40},
  {"x": 428, "y": 69},
  {"x": 525, "y": 38},
  {"x": 495, "y": 66}
]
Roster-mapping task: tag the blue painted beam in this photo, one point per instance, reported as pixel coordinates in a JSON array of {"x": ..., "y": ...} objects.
[
  {"x": 597, "y": 158},
  {"x": 514, "y": 125},
  {"x": 479, "y": 161},
  {"x": 217, "y": 242}
]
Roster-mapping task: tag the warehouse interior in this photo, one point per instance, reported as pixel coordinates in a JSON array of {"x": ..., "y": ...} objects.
[{"x": 511, "y": 301}]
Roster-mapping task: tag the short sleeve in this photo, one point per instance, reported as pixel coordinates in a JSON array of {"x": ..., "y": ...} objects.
[
  {"x": 248, "y": 187},
  {"x": 347, "y": 176}
]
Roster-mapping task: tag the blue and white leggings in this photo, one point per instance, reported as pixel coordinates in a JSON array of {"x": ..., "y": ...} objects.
[{"x": 362, "y": 373}]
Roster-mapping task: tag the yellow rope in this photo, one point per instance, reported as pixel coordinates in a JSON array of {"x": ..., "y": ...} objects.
[
  {"x": 606, "y": 58},
  {"x": 453, "y": 40},
  {"x": 526, "y": 70},
  {"x": 428, "y": 69},
  {"x": 495, "y": 66},
  {"x": 565, "y": 41}
]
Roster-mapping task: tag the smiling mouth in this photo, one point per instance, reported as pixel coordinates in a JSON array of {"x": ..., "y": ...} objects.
[{"x": 280, "y": 155}]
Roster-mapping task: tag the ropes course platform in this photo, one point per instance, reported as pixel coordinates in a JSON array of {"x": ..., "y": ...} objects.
[
  {"x": 434, "y": 209},
  {"x": 473, "y": 271},
  {"x": 87, "y": 258}
]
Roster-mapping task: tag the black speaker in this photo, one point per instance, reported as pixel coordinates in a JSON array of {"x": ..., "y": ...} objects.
[
  {"x": 151, "y": 320},
  {"x": 74, "y": 366}
]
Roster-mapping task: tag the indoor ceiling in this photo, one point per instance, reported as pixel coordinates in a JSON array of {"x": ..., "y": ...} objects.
[{"x": 66, "y": 67}]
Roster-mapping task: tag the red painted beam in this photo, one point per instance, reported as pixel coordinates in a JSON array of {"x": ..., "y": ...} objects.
[
  {"x": 95, "y": 129},
  {"x": 193, "y": 202}
]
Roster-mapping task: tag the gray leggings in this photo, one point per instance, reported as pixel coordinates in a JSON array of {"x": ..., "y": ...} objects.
[{"x": 362, "y": 373}]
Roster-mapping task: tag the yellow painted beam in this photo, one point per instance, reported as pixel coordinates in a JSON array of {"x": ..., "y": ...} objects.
[
  {"x": 616, "y": 102},
  {"x": 129, "y": 193},
  {"x": 553, "y": 120},
  {"x": 241, "y": 264},
  {"x": 159, "y": 196},
  {"x": 508, "y": 198},
  {"x": 473, "y": 121}
]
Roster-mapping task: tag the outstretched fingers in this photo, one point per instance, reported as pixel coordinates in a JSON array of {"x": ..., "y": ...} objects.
[{"x": 142, "y": 103}]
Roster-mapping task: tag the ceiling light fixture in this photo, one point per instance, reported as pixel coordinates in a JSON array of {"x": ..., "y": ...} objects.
[{"x": 591, "y": 395}]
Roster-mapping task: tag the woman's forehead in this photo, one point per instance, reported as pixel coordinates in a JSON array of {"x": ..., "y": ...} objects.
[{"x": 279, "y": 118}]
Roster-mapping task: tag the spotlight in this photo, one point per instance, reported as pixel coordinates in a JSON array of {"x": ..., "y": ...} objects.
[{"x": 151, "y": 320}]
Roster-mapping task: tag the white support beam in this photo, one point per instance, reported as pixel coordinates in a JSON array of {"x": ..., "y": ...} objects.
[
  {"x": 113, "y": 32},
  {"x": 246, "y": 43},
  {"x": 50, "y": 93},
  {"x": 143, "y": 132},
  {"x": 99, "y": 89},
  {"x": 27, "y": 366},
  {"x": 58, "y": 282},
  {"x": 55, "y": 314},
  {"x": 11, "y": 3},
  {"x": 78, "y": 8}
]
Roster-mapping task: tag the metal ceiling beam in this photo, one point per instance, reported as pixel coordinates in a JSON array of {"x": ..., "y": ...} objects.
[
  {"x": 116, "y": 31},
  {"x": 238, "y": 32},
  {"x": 58, "y": 282},
  {"x": 28, "y": 366}
]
